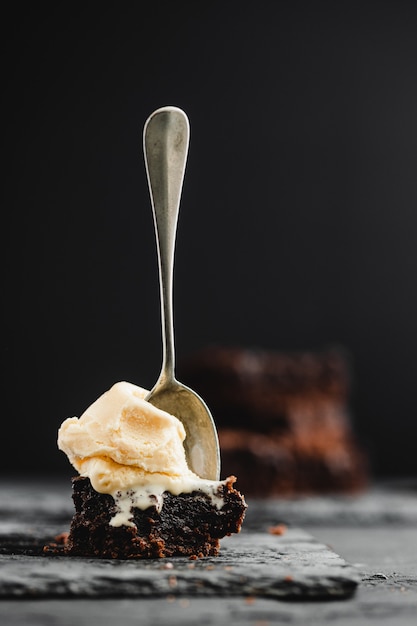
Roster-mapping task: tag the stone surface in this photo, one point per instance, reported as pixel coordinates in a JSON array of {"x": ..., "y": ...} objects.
[
  {"x": 389, "y": 504},
  {"x": 375, "y": 532},
  {"x": 289, "y": 566},
  {"x": 366, "y": 608}
]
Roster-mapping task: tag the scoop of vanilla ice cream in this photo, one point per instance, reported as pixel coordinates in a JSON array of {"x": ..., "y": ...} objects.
[{"x": 122, "y": 441}]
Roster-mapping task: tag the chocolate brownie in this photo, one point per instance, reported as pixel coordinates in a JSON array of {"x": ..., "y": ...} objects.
[
  {"x": 188, "y": 524},
  {"x": 283, "y": 419}
]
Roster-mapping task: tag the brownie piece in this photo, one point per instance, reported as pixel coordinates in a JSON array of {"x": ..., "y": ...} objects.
[
  {"x": 187, "y": 524},
  {"x": 283, "y": 419}
]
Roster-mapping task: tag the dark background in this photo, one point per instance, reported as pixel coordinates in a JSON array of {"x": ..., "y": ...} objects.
[{"x": 298, "y": 223}]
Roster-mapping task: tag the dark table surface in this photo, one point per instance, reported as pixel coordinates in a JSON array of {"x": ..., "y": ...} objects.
[{"x": 344, "y": 560}]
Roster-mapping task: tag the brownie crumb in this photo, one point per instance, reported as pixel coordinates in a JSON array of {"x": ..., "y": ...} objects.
[{"x": 279, "y": 529}]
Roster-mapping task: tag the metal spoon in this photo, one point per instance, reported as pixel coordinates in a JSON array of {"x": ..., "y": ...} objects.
[{"x": 165, "y": 144}]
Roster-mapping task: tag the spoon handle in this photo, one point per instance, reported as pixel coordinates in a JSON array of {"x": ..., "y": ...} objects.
[{"x": 165, "y": 143}]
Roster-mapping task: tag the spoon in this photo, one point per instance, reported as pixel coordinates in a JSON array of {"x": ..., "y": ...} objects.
[{"x": 165, "y": 143}]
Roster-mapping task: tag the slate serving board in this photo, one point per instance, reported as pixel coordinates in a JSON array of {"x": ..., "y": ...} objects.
[
  {"x": 255, "y": 562},
  {"x": 293, "y": 566}
]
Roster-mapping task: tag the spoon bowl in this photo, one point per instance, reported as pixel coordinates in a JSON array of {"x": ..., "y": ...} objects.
[
  {"x": 201, "y": 443},
  {"x": 165, "y": 144}
]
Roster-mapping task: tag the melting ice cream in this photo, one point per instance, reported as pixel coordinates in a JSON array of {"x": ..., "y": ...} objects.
[{"x": 131, "y": 450}]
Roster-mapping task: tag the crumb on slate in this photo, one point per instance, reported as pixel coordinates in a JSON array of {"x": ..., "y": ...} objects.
[{"x": 279, "y": 529}]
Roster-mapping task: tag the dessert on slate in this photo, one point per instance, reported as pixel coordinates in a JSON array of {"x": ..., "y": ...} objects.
[
  {"x": 283, "y": 418},
  {"x": 135, "y": 496}
]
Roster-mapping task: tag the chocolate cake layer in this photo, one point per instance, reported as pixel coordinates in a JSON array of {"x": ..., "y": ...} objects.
[
  {"x": 255, "y": 389},
  {"x": 283, "y": 419},
  {"x": 188, "y": 524}
]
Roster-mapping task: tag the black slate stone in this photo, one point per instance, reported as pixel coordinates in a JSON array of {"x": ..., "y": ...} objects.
[
  {"x": 386, "y": 504},
  {"x": 253, "y": 563},
  {"x": 375, "y": 531},
  {"x": 290, "y": 566}
]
